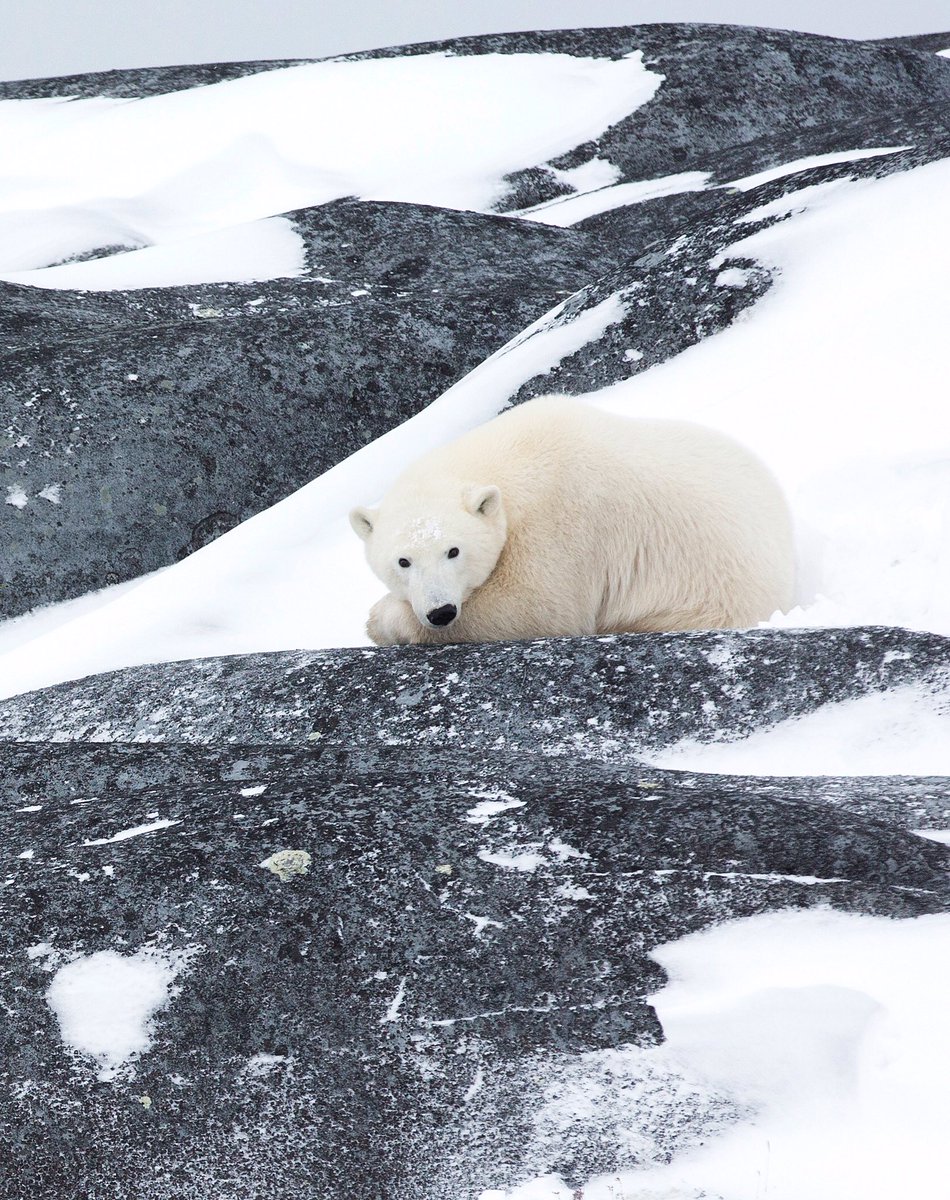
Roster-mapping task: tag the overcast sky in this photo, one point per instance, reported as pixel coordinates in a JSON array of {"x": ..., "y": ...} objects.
[{"x": 56, "y": 37}]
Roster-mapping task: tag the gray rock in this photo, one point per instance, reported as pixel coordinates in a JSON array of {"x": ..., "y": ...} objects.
[
  {"x": 928, "y": 42},
  {"x": 137, "y": 83},
  {"x": 390, "y": 1018},
  {"x": 605, "y": 697}
]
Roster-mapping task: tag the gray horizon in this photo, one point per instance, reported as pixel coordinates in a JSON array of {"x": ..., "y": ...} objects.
[{"x": 62, "y": 37}]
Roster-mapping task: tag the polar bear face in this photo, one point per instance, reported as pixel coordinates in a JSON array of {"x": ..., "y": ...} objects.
[{"x": 434, "y": 553}]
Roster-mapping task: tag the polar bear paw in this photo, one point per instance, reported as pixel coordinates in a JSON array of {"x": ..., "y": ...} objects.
[{"x": 392, "y": 622}]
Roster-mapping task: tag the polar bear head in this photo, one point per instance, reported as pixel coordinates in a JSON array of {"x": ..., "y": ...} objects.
[{"x": 433, "y": 550}]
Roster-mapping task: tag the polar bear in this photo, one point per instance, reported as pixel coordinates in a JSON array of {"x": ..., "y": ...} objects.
[{"x": 558, "y": 519}]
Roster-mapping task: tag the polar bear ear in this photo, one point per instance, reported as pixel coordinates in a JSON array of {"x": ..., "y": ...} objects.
[
  {"x": 362, "y": 520},
  {"x": 483, "y": 501}
]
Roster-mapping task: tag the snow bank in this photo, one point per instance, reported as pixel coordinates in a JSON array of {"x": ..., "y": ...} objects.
[
  {"x": 901, "y": 732},
  {"x": 828, "y": 1030},
  {"x": 568, "y": 210},
  {"x": 812, "y": 160},
  {"x": 269, "y": 249}
]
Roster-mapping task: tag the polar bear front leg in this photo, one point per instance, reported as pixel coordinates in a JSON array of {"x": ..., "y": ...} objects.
[{"x": 392, "y": 622}]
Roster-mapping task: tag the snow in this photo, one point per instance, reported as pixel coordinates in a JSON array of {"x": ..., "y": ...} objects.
[
  {"x": 105, "y": 1003},
  {"x": 392, "y": 1012},
  {"x": 31, "y": 625},
  {"x": 80, "y": 175},
  {"x": 268, "y": 249},
  {"x": 524, "y": 860},
  {"x": 482, "y": 813},
  {"x": 568, "y": 210},
  {"x": 812, "y": 160},
  {"x": 53, "y": 492},
  {"x": 901, "y": 732},
  {"x": 826, "y": 1030},
  {"x": 136, "y": 831},
  {"x": 590, "y": 175},
  {"x": 935, "y": 835},
  {"x": 733, "y": 277}
]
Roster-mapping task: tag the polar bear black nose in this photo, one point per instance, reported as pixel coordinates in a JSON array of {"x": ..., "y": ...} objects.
[{"x": 442, "y": 616}]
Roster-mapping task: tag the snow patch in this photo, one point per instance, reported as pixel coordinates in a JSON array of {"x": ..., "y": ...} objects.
[
  {"x": 589, "y": 176},
  {"x": 733, "y": 277},
  {"x": 124, "y": 834},
  {"x": 392, "y": 1012},
  {"x": 482, "y": 813},
  {"x": 934, "y": 835},
  {"x": 105, "y": 1003},
  {"x": 525, "y": 860},
  {"x": 260, "y": 250}
]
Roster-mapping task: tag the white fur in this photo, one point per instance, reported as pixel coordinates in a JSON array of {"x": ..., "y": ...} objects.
[{"x": 572, "y": 521}]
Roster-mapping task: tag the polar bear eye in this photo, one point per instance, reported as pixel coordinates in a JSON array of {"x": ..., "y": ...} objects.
[
  {"x": 404, "y": 562},
  {"x": 453, "y": 553}
]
